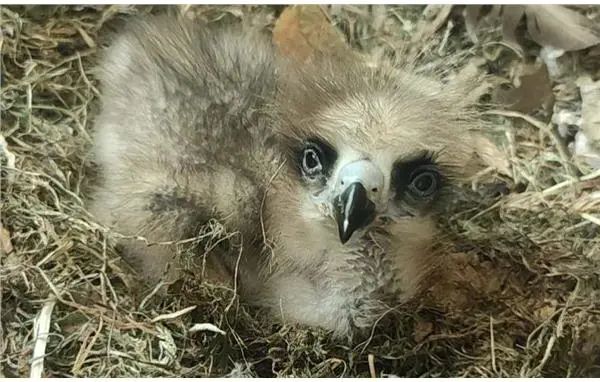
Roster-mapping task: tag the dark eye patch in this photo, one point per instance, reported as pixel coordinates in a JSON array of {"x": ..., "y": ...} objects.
[
  {"x": 314, "y": 150},
  {"x": 420, "y": 177}
]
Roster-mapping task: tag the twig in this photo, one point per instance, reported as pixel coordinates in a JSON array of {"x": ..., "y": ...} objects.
[
  {"x": 570, "y": 182},
  {"x": 170, "y": 316},
  {"x": 515, "y": 114},
  {"x": 591, "y": 218},
  {"x": 371, "y": 359},
  {"x": 492, "y": 345},
  {"x": 152, "y": 293}
]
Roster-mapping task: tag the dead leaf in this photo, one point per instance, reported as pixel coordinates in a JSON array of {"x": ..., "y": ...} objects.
[
  {"x": 491, "y": 155},
  {"x": 495, "y": 12},
  {"x": 560, "y": 27},
  {"x": 471, "y": 14},
  {"x": 5, "y": 242},
  {"x": 532, "y": 89},
  {"x": 544, "y": 313},
  {"x": 584, "y": 150},
  {"x": 590, "y": 109},
  {"x": 550, "y": 57},
  {"x": 549, "y": 25},
  {"x": 594, "y": 52},
  {"x": 587, "y": 140},
  {"x": 473, "y": 73},
  {"x": 10, "y": 159},
  {"x": 422, "y": 330},
  {"x": 426, "y": 27},
  {"x": 464, "y": 279},
  {"x": 303, "y": 30},
  {"x": 564, "y": 118},
  {"x": 511, "y": 16}
]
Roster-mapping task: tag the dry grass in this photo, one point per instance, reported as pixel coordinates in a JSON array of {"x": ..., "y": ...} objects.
[{"x": 526, "y": 301}]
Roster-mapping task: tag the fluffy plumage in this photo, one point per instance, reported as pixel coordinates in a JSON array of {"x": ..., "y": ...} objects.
[{"x": 344, "y": 164}]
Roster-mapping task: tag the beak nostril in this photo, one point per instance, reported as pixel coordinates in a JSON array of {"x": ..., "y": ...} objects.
[
  {"x": 374, "y": 189},
  {"x": 342, "y": 182}
]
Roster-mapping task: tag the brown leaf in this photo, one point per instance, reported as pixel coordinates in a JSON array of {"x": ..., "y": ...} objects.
[
  {"x": 422, "y": 330},
  {"x": 594, "y": 52},
  {"x": 470, "y": 73},
  {"x": 494, "y": 12},
  {"x": 303, "y": 30},
  {"x": 587, "y": 140},
  {"x": 590, "y": 109},
  {"x": 491, "y": 155},
  {"x": 560, "y": 27},
  {"x": 544, "y": 312},
  {"x": 533, "y": 89},
  {"x": 5, "y": 243},
  {"x": 464, "y": 279},
  {"x": 427, "y": 27},
  {"x": 511, "y": 16},
  {"x": 472, "y": 13},
  {"x": 549, "y": 25}
]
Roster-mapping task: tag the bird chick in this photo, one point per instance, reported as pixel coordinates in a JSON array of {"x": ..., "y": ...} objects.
[{"x": 334, "y": 172}]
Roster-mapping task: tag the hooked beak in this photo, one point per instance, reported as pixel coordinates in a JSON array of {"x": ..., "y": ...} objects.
[{"x": 353, "y": 210}]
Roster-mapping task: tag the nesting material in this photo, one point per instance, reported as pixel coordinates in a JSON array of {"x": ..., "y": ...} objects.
[
  {"x": 41, "y": 332},
  {"x": 521, "y": 292}
]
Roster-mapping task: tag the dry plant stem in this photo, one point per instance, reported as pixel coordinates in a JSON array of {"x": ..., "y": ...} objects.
[
  {"x": 591, "y": 218},
  {"x": 493, "y": 345},
  {"x": 86, "y": 348},
  {"x": 41, "y": 334},
  {"x": 154, "y": 291},
  {"x": 372, "y": 370},
  {"x": 547, "y": 128},
  {"x": 557, "y": 333},
  {"x": 171, "y": 316},
  {"x": 567, "y": 183}
]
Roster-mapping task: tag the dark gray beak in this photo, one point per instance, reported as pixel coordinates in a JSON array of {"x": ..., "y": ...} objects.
[{"x": 353, "y": 210}]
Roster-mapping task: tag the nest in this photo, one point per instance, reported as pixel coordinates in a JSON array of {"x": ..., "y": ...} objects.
[{"x": 523, "y": 298}]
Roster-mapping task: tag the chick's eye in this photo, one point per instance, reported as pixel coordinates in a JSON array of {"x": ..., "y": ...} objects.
[
  {"x": 315, "y": 160},
  {"x": 424, "y": 183},
  {"x": 311, "y": 162}
]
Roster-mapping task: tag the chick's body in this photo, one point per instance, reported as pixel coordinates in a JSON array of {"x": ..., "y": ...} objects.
[
  {"x": 182, "y": 135},
  {"x": 314, "y": 166}
]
